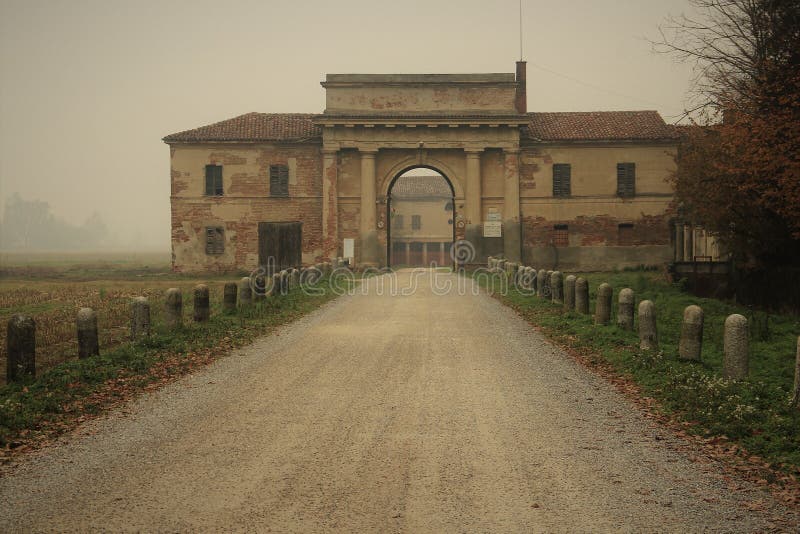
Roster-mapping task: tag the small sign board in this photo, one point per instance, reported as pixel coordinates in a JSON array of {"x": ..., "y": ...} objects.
[
  {"x": 493, "y": 216},
  {"x": 492, "y": 229},
  {"x": 349, "y": 248}
]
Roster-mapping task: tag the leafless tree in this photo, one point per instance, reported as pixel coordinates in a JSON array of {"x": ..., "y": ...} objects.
[{"x": 735, "y": 46}]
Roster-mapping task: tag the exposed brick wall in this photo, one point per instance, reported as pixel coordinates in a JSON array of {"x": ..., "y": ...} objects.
[{"x": 597, "y": 230}]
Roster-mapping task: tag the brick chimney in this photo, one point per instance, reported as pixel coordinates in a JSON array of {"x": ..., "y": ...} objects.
[{"x": 522, "y": 89}]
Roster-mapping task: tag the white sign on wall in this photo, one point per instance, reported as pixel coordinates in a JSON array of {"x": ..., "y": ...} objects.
[
  {"x": 492, "y": 229},
  {"x": 349, "y": 248}
]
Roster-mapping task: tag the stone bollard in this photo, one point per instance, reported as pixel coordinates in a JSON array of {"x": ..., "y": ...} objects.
[
  {"x": 541, "y": 283},
  {"x": 691, "y": 343},
  {"x": 275, "y": 290},
  {"x": 547, "y": 289},
  {"x": 582, "y": 295},
  {"x": 602, "y": 308},
  {"x": 173, "y": 308},
  {"x": 229, "y": 294},
  {"x": 648, "y": 334},
  {"x": 245, "y": 291},
  {"x": 294, "y": 275},
  {"x": 736, "y": 347},
  {"x": 530, "y": 279},
  {"x": 284, "y": 282},
  {"x": 88, "y": 340},
  {"x": 569, "y": 292},
  {"x": 557, "y": 287},
  {"x": 201, "y": 304},
  {"x": 625, "y": 308},
  {"x": 140, "y": 318},
  {"x": 259, "y": 289},
  {"x": 21, "y": 345},
  {"x": 796, "y": 396}
]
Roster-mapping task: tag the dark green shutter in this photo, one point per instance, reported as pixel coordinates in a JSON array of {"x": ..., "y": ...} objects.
[
  {"x": 279, "y": 180},
  {"x": 626, "y": 179},
  {"x": 209, "y": 180},
  {"x": 562, "y": 174}
]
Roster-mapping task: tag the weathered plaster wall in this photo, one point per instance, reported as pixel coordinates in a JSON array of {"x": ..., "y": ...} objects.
[
  {"x": 245, "y": 202},
  {"x": 593, "y": 213}
]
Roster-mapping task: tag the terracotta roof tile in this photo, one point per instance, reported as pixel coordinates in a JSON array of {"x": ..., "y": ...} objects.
[
  {"x": 548, "y": 126},
  {"x": 599, "y": 125},
  {"x": 252, "y": 127}
]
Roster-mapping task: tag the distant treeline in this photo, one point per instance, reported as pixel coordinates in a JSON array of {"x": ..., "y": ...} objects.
[{"x": 30, "y": 225}]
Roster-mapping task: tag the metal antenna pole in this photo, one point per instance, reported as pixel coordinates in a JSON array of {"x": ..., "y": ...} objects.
[{"x": 520, "y": 30}]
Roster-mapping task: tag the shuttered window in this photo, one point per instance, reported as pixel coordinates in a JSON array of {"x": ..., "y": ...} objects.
[
  {"x": 214, "y": 180},
  {"x": 215, "y": 240},
  {"x": 279, "y": 180},
  {"x": 416, "y": 222},
  {"x": 626, "y": 179},
  {"x": 398, "y": 222},
  {"x": 562, "y": 174}
]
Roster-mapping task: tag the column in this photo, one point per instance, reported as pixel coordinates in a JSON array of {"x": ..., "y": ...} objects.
[
  {"x": 678, "y": 229},
  {"x": 408, "y": 253},
  {"x": 369, "y": 213},
  {"x": 512, "y": 233},
  {"x": 425, "y": 253},
  {"x": 330, "y": 209},
  {"x": 472, "y": 202},
  {"x": 442, "y": 260},
  {"x": 688, "y": 242}
]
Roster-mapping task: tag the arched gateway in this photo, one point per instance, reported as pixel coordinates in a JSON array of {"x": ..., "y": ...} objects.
[{"x": 583, "y": 190}]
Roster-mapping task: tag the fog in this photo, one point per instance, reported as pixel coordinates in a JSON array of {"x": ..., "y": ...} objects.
[{"x": 89, "y": 88}]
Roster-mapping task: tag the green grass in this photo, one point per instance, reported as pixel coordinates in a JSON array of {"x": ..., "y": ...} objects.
[
  {"x": 54, "y": 400},
  {"x": 756, "y": 413}
]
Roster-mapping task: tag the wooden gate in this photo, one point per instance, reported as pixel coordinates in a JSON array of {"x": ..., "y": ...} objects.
[{"x": 280, "y": 245}]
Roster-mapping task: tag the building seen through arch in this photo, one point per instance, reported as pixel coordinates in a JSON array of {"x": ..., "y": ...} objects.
[
  {"x": 565, "y": 190},
  {"x": 421, "y": 220}
]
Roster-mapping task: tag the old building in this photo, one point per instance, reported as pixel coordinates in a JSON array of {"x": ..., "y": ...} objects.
[
  {"x": 567, "y": 190},
  {"x": 421, "y": 224}
]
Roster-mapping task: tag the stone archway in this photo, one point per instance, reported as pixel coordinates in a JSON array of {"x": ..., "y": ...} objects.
[{"x": 432, "y": 199}]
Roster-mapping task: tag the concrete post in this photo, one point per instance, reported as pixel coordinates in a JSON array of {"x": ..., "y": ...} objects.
[
  {"x": 368, "y": 229},
  {"x": 88, "y": 339},
  {"x": 691, "y": 342},
  {"x": 21, "y": 347},
  {"x": 173, "y": 308},
  {"x": 548, "y": 290},
  {"x": 602, "y": 310},
  {"x": 245, "y": 291},
  {"x": 202, "y": 310},
  {"x": 625, "y": 309},
  {"x": 648, "y": 332},
  {"x": 569, "y": 292},
  {"x": 736, "y": 347},
  {"x": 582, "y": 295},
  {"x": 275, "y": 290},
  {"x": 284, "y": 280},
  {"x": 541, "y": 283},
  {"x": 512, "y": 234},
  {"x": 229, "y": 294},
  {"x": 261, "y": 289},
  {"x": 140, "y": 318},
  {"x": 557, "y": 287}
]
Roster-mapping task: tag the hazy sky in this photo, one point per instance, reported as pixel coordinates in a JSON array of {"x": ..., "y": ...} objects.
[{"x": 89, "y": 88}]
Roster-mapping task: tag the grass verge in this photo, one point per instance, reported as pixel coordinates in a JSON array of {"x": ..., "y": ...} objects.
[
  {"x": 752, "y": 418},
  {"x": 34, "y": 412}
]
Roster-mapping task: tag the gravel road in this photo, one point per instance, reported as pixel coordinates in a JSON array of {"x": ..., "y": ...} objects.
[{"x": 425, "y": 413}]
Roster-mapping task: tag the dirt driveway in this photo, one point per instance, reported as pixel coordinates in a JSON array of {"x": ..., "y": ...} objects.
[{"x": 436, "y": 411}]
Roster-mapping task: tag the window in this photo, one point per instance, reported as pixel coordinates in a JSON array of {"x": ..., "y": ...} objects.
[
  {"x": 214, "y": 180},
  {"x": 562, "y": 173},
  {"x": 215, "y": 240},
  {"x": 626, "y": 179},
  {"x": 416, "y": 222},
  {"x": 625, "y": 234},
  {"x": 398, "y": 222},
  {"x": 560, "y": 235},
  {"x": 279, "y": 180}
]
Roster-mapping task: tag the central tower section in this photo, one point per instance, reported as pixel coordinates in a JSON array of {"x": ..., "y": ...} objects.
[{"x": 464, "y": 126}]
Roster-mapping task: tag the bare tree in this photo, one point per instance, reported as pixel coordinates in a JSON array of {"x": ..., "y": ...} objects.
[{"x": 736, "y": 47}]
